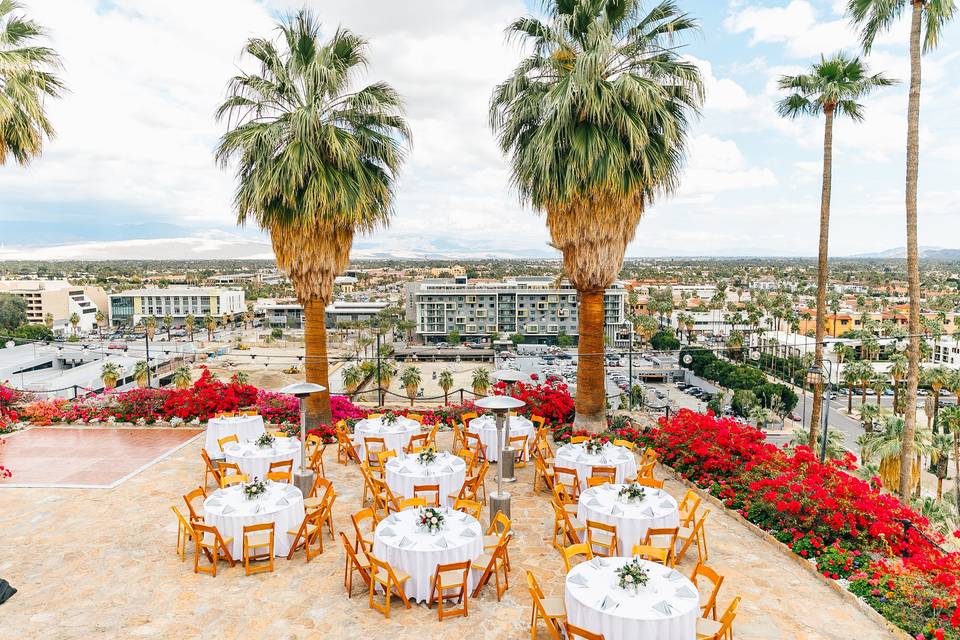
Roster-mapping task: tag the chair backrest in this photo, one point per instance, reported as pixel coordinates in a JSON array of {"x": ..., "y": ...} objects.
[
  {"x": 226, "y": 468},
  {"x": 626, "y": 444},
  {"x": 236, "y": 478},
  {"x": 377, "y": 565},
  {"x": 468, "y": 506},
  {"x": 279, "y": 476},
  {"x": 715, "y": 580},
  {"x": 650, "y": 552},
  {"x": 465, "y": 418},
  {"x": 383, "y": 456},
  {"x": 374, "y": 416},
  {"x": 184, "y": 522},
  {"x": 726, "y": 620},
  {"x": 313, "y": 441},
  {"x": 649, "y": 455},
  {"x": 359, "y": 518},
  {"x": 572, "y": 551},
  {"x": 206, "y": 460},
  {"x": 412, "y": 503},
  {"x": 254, "y": 529},
  {"x": 372, "y": 446},
  {"x": 282, "y": 465},
  {"x": 320, "y": 487},
  {"x": 645, "y": 470},
  {"x": 538, "y": 421},
  {"x": 500, "y": 525},
  {"x": 520, "y": 444},
  {"x": 608, "y": 541},
  {"x": 351, "y": 554},
  {"x": 227, "y": 440},
  {"x": 562, "y": 494},
  {"x": 596, "y": 482},
  {"x": 579, "y": 439},
  {"x": 604, "y": 472},
  {"x": 569, "y": 478},
  {"x": 653, "y": 483},
  {"x": 415, "y": 416},
  {"x": 482, "y": 472},
  {"x": 417, "y": 441},
  {"x": 655, "y": 536},
  {"x": 429, "y": 492},
  {"x": 574, "y": 632},
  {"x": 203, "y": 529},
  {"x": 199, "y": 492}
]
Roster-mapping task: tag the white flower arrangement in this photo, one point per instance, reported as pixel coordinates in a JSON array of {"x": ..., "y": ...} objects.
[{"x": 632, "y": 576}]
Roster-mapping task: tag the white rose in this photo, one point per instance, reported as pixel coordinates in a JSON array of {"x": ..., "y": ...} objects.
[
  {"x": 629, "y": 578},
  {"x": 434, "y": 520}
]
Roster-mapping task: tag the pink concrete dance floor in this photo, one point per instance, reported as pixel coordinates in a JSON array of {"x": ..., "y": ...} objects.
[{"x": 89, "y": 457}]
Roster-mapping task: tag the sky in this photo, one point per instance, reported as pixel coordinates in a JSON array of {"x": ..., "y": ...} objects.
[{"x": 130, "y": 173}]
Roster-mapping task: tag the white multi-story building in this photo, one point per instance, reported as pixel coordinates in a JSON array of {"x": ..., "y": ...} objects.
[
  {"x": 946, "y": 352},
  {"x": 59, "y": 299},
  {"x": 128, "y": 308},
  {"x": 536, "y": 307}
]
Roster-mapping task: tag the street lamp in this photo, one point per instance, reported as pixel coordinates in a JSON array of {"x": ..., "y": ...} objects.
[
  {"x": 815, "y": 376},
  {"x": 501, "y": 406},
  {"x": 302, "y": 390}
]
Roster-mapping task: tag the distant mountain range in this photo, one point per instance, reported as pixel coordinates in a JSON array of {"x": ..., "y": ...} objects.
[{"x": 926, "y": 253}]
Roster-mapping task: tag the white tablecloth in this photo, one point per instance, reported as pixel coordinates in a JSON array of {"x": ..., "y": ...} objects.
[
  {"x": 657, "y": 510},
  {"x": 424, "y": 552},
  {"x": 396, "y": 436},
  {"x": 574, "y": 456},
  {"x": 244, "y": 427},
  {"x": 241, "y": 512},
  {"x": 447, "y": 470},
  {"x": 629, "y": 616},
  {"x": 486, "y": 428},
  {"x": 255, "y": 461}
]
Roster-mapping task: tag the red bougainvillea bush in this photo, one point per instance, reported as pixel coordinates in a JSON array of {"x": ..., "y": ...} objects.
[
  {"x": 852, "y": 530},
  {"x": 552, "y": 400}
]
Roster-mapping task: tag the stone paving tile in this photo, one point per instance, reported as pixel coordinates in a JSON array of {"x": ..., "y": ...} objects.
[{"x": 101, "y": 564}]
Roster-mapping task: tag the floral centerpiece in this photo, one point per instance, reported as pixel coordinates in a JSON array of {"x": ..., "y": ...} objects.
[
  {"x": 427, "y": 456},
  {"x": 430, "y": 519},
  {"x": 632, "y": 576},
  {"x": 390, "y": 418},
  {"x": 266, "y": 440},
  {"x": 593, "y": 446},
  {"x": 254, "y": 489},
  {"x": 632, "y": 492}
]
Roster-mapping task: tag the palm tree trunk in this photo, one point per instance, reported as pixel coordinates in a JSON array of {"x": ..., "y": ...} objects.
[
  {"x": 956, "y": 468},
  {"x": 590, "y": 400},
  {"x": 896, "y": 396},
  {"x": 822, "y": 270},
  {"x": 315, "y": 345},
  {"x": 913, "y": 266},
  {"x": 849, "y": 399}
]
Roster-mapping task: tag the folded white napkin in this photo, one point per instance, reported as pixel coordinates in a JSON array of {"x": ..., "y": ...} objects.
[
  {"x": 647, "y": 513},
  {"x": 666, "y": 504},
  {"x": 468, "y": 533},
  {"x": 603, "y": 460},
  {"x": 387, "y": 531},
  {"x": 581, "y": 458},
  {"x": 465, "y": 517},
  {"x": 283, "y": 502},
  {"x": 228, "y": 509},
  {"x": 593, "y": 502},
  {"x": 291, "y": 490},
  {"x": 405, "y": 542},
  {"x": 448, "y": 469},
  {"x": 441, "y": 542},
  {"x": 608, "y": 603},
  {"x": 685, "y": 592},
  {"x": 392, "y": 519},
  {"x": 674, "y": 576},
  {"x": 214, "y": 502},
  {"x": 603, "y": 562},
  {"x": 615, "y": 510},
  {"x": 247, "y": 454},
  {"x": 578, "y": 580},
  {"x": 258, "y": 508},
  {"x": 663, "y": 607},
  {"x": 404, "y": 469}
]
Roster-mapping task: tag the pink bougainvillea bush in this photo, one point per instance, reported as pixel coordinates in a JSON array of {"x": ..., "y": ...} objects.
[{"x": 849, "y": 527}]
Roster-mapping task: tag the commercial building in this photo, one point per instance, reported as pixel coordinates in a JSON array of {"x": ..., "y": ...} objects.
[
  {"x": 61, "y": 300},
  {"x": 129, "y": 307},
  {"x": 288, "y": 313},
  {"x": 538, "y": 308}
]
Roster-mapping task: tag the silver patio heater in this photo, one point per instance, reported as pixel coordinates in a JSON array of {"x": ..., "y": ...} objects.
[
  {"x": 304, "y": 477},
  {"x": 501, "y": 406},
  {"x": 507, "y": 453}
]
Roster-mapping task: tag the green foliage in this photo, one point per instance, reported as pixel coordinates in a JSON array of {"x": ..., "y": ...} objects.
[
  {"x": 563, "y": 340},
  {"x": 743, "y": 402},
  {"x": 516, "y": 338},
  {"x": 276, "y": 333},
  {"x": 30, "y": 332},
  {"x": 13, "y": 311},
  {"x": 665, "y": 340},
  {"x": 453, "y": 336},
  {"x": 715, "y": 403}
]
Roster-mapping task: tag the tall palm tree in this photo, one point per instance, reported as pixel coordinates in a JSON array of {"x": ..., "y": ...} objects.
[
  {"x": 352, "y": 378},
  {"x": 140, "y": 373},
  {"x": 410, "y": 378},
  {"x": 167, "y": 324},
  {"x": 99, "y": 318},
  {"x": 27, "y": 78},
  {"x": 831, "y": 88},
  {"x": 182, "y": 377},
  {"x": 445, "y": 380},
  {"x": 937, "y": 378},
  {"x": 898, "y": 371},
  {"x": 110, "y": 373},
  {"x": 210, "y": 324},
  {"x": 595, "y": 120},
  {"x": 317, "y": 162},
  {"x": 480, "y": 381},
  {"x": 189, "y": 322},
  {"x": 74, "y": 322},
  {"x": 886, "y": 445},
  {"x": 874, "y": 17}
]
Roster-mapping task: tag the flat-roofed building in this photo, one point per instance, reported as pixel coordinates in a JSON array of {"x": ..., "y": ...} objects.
[
  {"x": 128, "y": 308},
  {"x": 60, "y": 299}
]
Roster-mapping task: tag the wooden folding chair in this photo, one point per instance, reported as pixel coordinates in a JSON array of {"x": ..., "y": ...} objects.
[
  {"x": 209, "y": 469},
  {"x": 365, "y": 541},
  {"x": 645, "y": 470},
  {"x": 573, "y": 551},
  {"x": 652, "y": 553},
  {"x": 688, "y": 507},
  {"x": 551, "y": 610},
  {"x": 447, "y": 577},
  {"x": 429, "y": 492},
  {"x": 626, "y": 444},
  {"x": 539, "y": 422},
  {"x": 480, "y": 485},
  {"x": 258, "y": 545},
  {"x": 666, "y": 538},
  {"x": 519, "y": 444},
  {"x": 318, "y": 492},
  {"x": 381, "y": 466},
  {"x": 279, "y": 476},
  {"x": 541, "y": 474},
  {"x": 574, "y": 632},
  {"x": 391, "y": 581},
  {"x": 432, "y": 435},
  {"x": 604, "y": 536},
  {"x": 499, "y": 528},
  {"x": 652, "y": 483},
  {"x": 696, "y": 534},
  {"x": 475, "y": 444},
  {"x": 493, "y": 564},
  {"x": 708, "y": 601},
  {"x": 199, "y": 492},
  {"x": 712, "y": 630},
  {"x": 307, "y": 536},
  {"x": 371, "y": 447},
  {"x": 353, "y": 563},
  {"x": 281, "y": 465},
  {"x": 610, "y": 473},
  {"x": 346, "y": 449},
  {"x": 459, "y": 441},
  {"x": 471, "y": 507},
  {"x": 315, "y": 449},
  {"x": 222, "y": 442},
  {"x": 570, "y": 480},
  {"x": 184, "y": 532},
  {"x": 214, "y": 546},
  {"x": 417, "y": 442}
]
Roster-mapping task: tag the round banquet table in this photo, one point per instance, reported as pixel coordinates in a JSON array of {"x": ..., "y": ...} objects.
[
  {"x": 229, "y": 511},
  {"x": 396, "y": 436},
  {"x": 657, "y": 510},
  {"x": 574, "y": 456},
  {"x": 486, "y": 428},
  {"x": 400, "y": 542},
  {"x": 244, "y": 427},
  {"x": 666, "y": 608},
  {"x": 255, "y": 461},
  {"x": 447, "y": 470}
]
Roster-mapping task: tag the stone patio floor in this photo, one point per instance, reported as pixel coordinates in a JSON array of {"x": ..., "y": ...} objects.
[{"x": 100, "y": 563}]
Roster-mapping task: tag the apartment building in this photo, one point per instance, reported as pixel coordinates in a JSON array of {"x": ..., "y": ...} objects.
[
  {"x": 60, "y": 299},
  {"x": 288, "y": 313},
  {"x": 128, "y": 308},
  {"x": 535, "y": 307}
]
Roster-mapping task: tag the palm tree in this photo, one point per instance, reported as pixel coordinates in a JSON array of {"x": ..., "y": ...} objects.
[
  {"x": 410, "y": 379},
  {"x": 182, "y": 377},
  {"x": 446, "y": 383},
  {"x": 480, "y": 381},
  {"x": 48, "y": 320},
  {"x": 99, "y": 318},
  {"x": 832, "y": 88},
  {"x": 26, "y": 80},
  {"x": 886, "y": 444},
  {"x": 897, "y": 371},
  {"x": 317, "y": 163},
  {"x": 940, "y": 515},
  {"x": 937, "y": 378},
  {"x": 189, "y": 322},
  {"x": 149, "y": 326},
  {"x": 210, "y": 324},
  {"x": 851, "y": 378},
  {"x": 110, "y": 373},
  {"x": 874, "y": 17},
  {"x": 141, "y": 373},
  {"x": 951, "y": 424},
  {"x": 878, "y": 384},
  {"x": 74, "y": 322},
  {"x": 940, "y": 446},
  {"x": 352, "y": 378},
  {"x": 595, "y": 120},
  {"x": 868, "y": 416},
  {"x": 385, "y": 371},
  {"x": 835, "y": 448},
  {"x": 167, "y": 324}
]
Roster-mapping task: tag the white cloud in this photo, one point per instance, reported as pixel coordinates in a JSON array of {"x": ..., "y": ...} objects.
[{"x": 795, "y": 25}]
